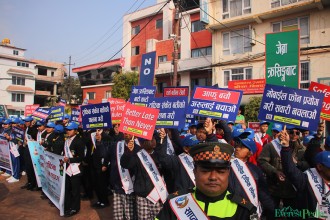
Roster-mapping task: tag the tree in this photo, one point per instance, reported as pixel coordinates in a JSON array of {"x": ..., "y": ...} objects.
[
  {"x": 71, "y": 87},
  {"x": 251, "y": 110},
  {"x": 123, "y": 83}
]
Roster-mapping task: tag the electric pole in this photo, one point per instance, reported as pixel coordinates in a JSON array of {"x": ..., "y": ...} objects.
[
  {"x": 176, "y": 26},
  {"x": 69, "y": 79}
]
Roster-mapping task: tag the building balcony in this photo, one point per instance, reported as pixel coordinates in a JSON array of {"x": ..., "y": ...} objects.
[
  {"x": 43, "y": 93},
  {"x": 49, "y": 79}
]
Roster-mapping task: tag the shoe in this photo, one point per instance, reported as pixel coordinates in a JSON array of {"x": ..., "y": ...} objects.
[
  {"x": 5, "y": 174},
  {"x": 23, "y": 173},
  {"x": 13, "y": 180},
  {"x": 10, "y": 178},
  {"x": 30, "y": 187},
  {"x": 71, "y": 213},
  {"x": 25, "y": 186},
  {"x": 1, "y": 172},
  {"x": 34, "y": 189}
]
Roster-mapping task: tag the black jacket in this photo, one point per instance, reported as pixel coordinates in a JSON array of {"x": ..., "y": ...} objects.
[
  {"x": 99, "y": 154},
  {"x": 77, "y": 148},
  {"x": 48, "y": 141}
]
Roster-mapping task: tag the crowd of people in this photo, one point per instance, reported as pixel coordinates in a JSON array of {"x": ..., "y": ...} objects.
[{"x": 214, "y": 170}]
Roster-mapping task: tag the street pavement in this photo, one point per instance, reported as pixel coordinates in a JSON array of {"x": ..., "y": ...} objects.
[{"x": 17, "y": 203}]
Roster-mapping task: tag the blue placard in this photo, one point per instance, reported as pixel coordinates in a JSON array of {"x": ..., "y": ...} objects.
[
  {"x": 96, "y": 116},
  {"x": 147, "y": 72},
  {"x": 297, "y": 107},
  {"x": 56, "y": 113},
  {"x": 18, "y": 134},
  {"x": 215, "y": 103},
  {"x": 41, "y": 114},
  {"x": 190, "y": 119},
  {"x": 172, "y": 111},
  {"x": 75, "y": 112},
  {"x": 140, "y": 95}
]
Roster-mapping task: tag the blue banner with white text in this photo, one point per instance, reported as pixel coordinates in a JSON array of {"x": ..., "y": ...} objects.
[
  {"x": 96, "y": 116},
  {"x": 140, "y": 95},
  {"x": 147, "y": 71}
]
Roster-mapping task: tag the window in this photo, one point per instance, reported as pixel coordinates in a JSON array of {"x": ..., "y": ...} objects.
[
  {"x": 159, "y": 23},
  {"x": 304, "y": 76},
  {"x": 15, "y": 52},
  {"x": 236, "y": 74},
  {"x": 22, "y": 64},
  {"x": 233, "y": 8},
  {"x": 200, "y": 52},
  {"x": 162, "y": 59},
  {"x": 17, "y": 97},
  {"x": 91, "y": 95},
  {"x": 107, "y": 94},
  {"x": 52, "y": 74},
  {"x": 18, "y": 80},
  {"x": 135, "y": 30},
  {"x": 135, "y": 68},
  {"x": 278, "y": 3},
  {"x": 236, "y": 42},
  {"x": 200, "y": 82},
  {"x": 161, "y": 86},
  {"x": 294, "y": 24},
  {"x": 197, "y": 26},
  {"x": 135, "y": 50}
]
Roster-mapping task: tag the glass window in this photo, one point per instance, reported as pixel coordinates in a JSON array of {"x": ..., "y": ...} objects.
[
  {"x": 18, "y": 80},
  {"x": 161, "y": 86},
  {"x": 135, "y": 50},
  {"x": 107, "y": 94},
  {"x": 15, "y": 52},
  {"x": 197, "y": 26},
  {"x": 91, "y": 95},
  {"x": 159, "y": 23},
  {"x": 200, "y": 82},
  {"x": 162, "y": 59},
  {"x": 233, "y": 8},
  {"x": 294, "y": 24},
  {"x": 236, "y": 42},
  {"x": 17, "y": 97},
  {"x": 200, "y": 52},
  {"x": 237, "y": 74},
  {"x": 304, "y": 76},
  {"x": 135, "y": 30},
  {"x": 278, "y": 3}
]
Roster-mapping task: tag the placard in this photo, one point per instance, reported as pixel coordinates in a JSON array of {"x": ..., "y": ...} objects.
[
  {"x": 317, "y": 87},
  {"x": 75, "y": 115},
  {"x": 56, "y": 113},
  {"x": 41, "y": 114},
  {"x": 140, "y": 94},
  {"x": 251, "y": 86},
  {"x": 176, "y": 91},
  {"x": 29, "y": 109},
  {"x": 147, "y": 72},
  {"x": 96, "y": 116},
  {"x": 117, "y": 109}
]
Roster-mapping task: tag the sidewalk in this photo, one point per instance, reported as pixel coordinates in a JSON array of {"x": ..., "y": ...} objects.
[{"x": 17, "y": 203}]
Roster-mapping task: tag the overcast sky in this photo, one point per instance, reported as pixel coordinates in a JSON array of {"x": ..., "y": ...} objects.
[{"x": 89, "y": 31}]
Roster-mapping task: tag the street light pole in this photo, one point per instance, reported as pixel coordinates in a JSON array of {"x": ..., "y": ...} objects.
[{"x": 176, "y": 43}]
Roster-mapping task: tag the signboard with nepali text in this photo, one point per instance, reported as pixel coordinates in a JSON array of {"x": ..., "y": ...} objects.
[
  {"x": 96, "y": 116},
  {"x": 140, "y": 94},
  {"x": 297, "y": 107},
  {"x": 117, "y": 109},
  {"x": 250, "y": 86},
  {"x": 18, "y": 134},
  {"x": 317, "y": 87},
  {"x": 75, "y": 115},
  {"x": 172, "y": 112},
  {"x": 176, "y": 91},
  {"x": 29, "y": 109},
  {"x": 5, "y": 160},
  {"x": 215, "y": 103},
  {"x": 282, "y": 58},
  {"x": 41, "y": 114},
  {"x": 147, "y": 72},
  {"x": 139, "y": 121},
  {"x": 56, "y": 113},
  {"x": 254, "y": 125}
]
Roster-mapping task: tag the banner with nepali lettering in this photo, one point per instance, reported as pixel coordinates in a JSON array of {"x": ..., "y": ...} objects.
[
  {"x": 5, "y": 161},
  {"x": 215, "y": 103},
  {"x": 147, "y": 72},
  {"x": 96, "y": 116},
  {"x": 18, "y": 134},
  {"x": 317, "y": 87},
  {"x": 75, "y": 115},
  {"x": 139, "y": 121},
  {"x": 54, "y": 185},
  {"x": 176, "y": 91},
  {"x": 297, "y": 107},
  {"x": 41, "y": 114},
  {"x": 282, "y": 58},
  {"x": 61, "y": 102},
  {"x": 190, "y": 119},
  {"x": 117, "y": 109},
  {"x": 249, "y": 86},
  {"x": 36, "y": 151},
  {"x": 29, "y": 109},
  {"x": 56, "y": 113},
  {"x": 140, "y": 94},
  {"x": 254, "y": 125},
  {"x": 172, "y": 111}
]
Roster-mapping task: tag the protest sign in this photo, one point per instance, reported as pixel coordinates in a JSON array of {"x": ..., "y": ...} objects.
[
  {"x": 140, "y": 94},
  {"x": 317, "y": 87},
  {"x": 282, "y": 58},
  {"x": 139, "y": 121},
  {"x": 54, "y": 173},
  {"x": 62, "y": 102},
  {"x": 254, "y": 125},
  {"x": 117, "y": 109},
  {"x": 41, "y": 114},
  {"x": 36, "y": 151},
  {"x": 18, "y": 134},
  {"x": 5, "y": 161},
  {"x": 29, "y": 109},
  {"x": 172, "y": 111},
  {"x": 300, "y": 108},
  {"x": 56, "y": 113},
  {"x": 215, "y": 103},
  {"x": 75, "y": 115},
  {"x": 96, "y": 116},
  {"x": 252, "y": 86},
  {"x": 176, "y": 91},
  {"x": 147, "y": 72},
  {"x": 190, "y": 119}
]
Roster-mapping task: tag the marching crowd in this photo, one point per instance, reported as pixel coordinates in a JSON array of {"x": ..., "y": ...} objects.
[{"x": 214, "y": 170}]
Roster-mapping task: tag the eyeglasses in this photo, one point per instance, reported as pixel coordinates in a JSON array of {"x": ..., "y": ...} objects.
[{"x": 293, "y": 132}]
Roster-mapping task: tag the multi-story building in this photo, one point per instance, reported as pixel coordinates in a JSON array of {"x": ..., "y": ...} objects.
[
  {"x": 17, "y": 77},
  {"x": 238, "y": 31}
]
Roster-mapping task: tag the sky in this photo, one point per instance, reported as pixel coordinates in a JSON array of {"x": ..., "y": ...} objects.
[{"x": 90, "y": 31}]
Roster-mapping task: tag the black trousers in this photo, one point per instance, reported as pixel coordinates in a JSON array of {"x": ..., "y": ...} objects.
[
  {"x": 86, "y": 181},
  {"x": 29, "y": 167},
  {"x": 72, "y": 192},
  {"x": 100, "y": 185}
]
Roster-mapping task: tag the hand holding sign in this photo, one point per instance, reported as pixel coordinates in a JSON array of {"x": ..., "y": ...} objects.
[
  {"x": 208, "y": 125},
  {"x": 130, "y": 145},
  {"x": 284, "y": 137}
]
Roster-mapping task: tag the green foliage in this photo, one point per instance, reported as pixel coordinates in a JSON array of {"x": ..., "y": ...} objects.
[
  {"x": 123, "y": 83},
  {"x": 71, "y": 87},
  {"x": 251, "y": 109}
]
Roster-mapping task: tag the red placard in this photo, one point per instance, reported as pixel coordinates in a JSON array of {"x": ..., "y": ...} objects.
[
  {"x": 321, "y": 88},
  {"x": 176, "y": 91},
  {"x": 117, "y": 107},
  {"x": 139, "y": 121},
  {"x": 252, "y": 86},
  {"x": 254, "y": 125},
  {"x": 29, "y": 109},
  {"x": 218, "y": 95}
]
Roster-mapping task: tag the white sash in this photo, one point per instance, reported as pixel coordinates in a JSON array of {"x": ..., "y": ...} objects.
[
  {"x": 170, "y": 148},
  {"x": 247, "y": 181},
  {"x": 73, "y": 168},
  {"x": 27, "y": 136},
  {"x": 150, "y": 166},
  {"x": 185, "y": 207},
  {"x": 257, "y": 137},
  {"x": 13, "y": 148},
  {"x": 222, "y": 141},
  {"x": 125, "y": 177},
  {"x": 320, "y": 189},
  {"x": 188, "y": 164},
  {"x": 93, "y": 134},
  {"x": 277, "y": 146}
]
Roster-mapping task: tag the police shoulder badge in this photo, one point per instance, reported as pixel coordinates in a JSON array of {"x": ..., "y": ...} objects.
[{"x": 181, "y": 201}]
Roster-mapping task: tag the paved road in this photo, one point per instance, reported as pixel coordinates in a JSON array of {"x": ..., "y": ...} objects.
[{"x": 17, "y": 203}]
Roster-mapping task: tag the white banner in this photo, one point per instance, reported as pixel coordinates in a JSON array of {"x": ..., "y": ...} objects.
[{"x": 5, "y": 161}]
